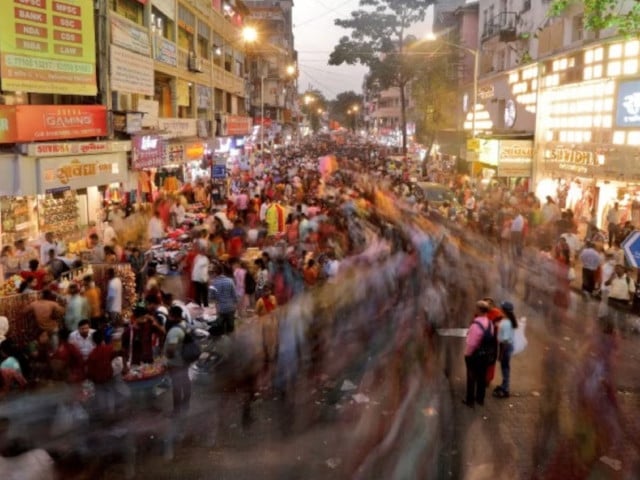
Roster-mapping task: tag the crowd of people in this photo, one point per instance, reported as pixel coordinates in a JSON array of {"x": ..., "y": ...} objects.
[{"x": 297, "y": 245}]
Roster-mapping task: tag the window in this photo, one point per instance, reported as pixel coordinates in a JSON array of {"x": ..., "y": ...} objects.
[
  {"x": 186, "y": 28},
  {"x": 204, "y": 35},
  {"x": 577, "y": 29},
  {"x": 162, "y": 25},
  {"x": 130, "y": 9}
]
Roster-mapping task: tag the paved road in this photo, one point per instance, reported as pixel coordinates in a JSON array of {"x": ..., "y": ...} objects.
[{"x": 322, "y": 432}]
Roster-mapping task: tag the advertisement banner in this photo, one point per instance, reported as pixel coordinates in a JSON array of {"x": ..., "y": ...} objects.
[
  {"x": 178, "y": 127},
  {"x": 203, "y": 97},
  {"x": 150, "y": 109},
  {"x": 129, "y": 35},
  {"x": 148, "y": 151},
  {"x": 236, "y": 125},
  {"x": 165, "y": 51},
  {"x": 131, "y": 72},
  {"x": 29, "y": 123},
  {"x": 515, "y": 158},
  {"x": 48, "y": 47},
  {"x": 81, "y": 172},
  {"x": 628, "y": 104}
]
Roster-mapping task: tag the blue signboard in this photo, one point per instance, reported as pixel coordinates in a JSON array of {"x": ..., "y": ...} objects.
[
  {"x": 628, "y": 104},
  {"x": 631, "y": 247},
  {"x": 219, "y": 171}
]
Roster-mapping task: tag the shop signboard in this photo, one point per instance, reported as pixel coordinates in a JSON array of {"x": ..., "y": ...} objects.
[
  {"x": 148, "y": 151},
  {"x": 81, "y": 171},
  {"x": 487, "y": 151},
  {"x": 129, "y": 35},
  {"x": 203, "y": 97},
  {"x": 131, "y": 72},
  {"x": 174, "y": 153},
  {"x": 48, "y": 47},
  {"x": 628, "y": 104},
  {"x": 567, "y": 159},
  {"x": 29, "y": 123},
  {"x": 515, "y": 158},
  {"x": 165, "y": 51},
  {"x": 219, "y": 171},
  {"x": 236, "y": 125},
  {"x": 57, "y": 149},
  {"x": 150, "y": 110},
  {"x": 631, "y": 247},
  {"x": 178, "y": 127}
]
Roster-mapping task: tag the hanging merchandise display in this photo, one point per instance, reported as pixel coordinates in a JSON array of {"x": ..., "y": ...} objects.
[
  {"x": 59, "y": 214},
  {"x": 18, "y": 216}
]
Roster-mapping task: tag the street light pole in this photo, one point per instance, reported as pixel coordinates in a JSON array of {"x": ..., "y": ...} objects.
[{"x": 476, "y": 61}]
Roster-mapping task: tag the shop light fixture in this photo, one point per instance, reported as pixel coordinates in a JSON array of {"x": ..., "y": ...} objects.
[
  {"x": 630, "y": 66},
  {"x": 615, "y": 50},
  {"x": 619, "y": 137},
  {"x": 614, "y": 69},
  {"x": 633, "y": 137},
  {"x": 632, "y": 48},
  {"x": 598, "y": 54},
  {"x": 601, "y": 158}
]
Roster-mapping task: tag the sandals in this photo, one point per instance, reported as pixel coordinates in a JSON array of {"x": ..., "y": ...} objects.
[{"x": 498, "y": 392}]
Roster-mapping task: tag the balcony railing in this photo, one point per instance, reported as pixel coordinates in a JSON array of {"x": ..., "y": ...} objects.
[{"x": 504, "y": 24}]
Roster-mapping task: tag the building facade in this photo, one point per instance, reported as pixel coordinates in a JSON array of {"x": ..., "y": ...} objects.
[{"x": 112, "y": 103}]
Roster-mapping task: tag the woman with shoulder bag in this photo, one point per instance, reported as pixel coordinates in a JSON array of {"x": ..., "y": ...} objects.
[{"x": 506, "y": 332}]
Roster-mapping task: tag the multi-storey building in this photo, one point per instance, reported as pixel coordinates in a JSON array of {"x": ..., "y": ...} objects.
[
  {"x": 574, "y": 91},
  {"x": 273, "y": 65},
  {"x": 96, "y": 110}
]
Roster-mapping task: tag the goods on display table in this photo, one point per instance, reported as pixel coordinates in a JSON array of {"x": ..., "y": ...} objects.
[{"x": 168, "y": 254}]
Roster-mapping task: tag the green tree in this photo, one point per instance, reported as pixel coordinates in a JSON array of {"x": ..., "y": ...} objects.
[
  {"x": 434, "y": 92},
  {"x": 602, "y": 14},
  {"x": 378, "y": 40},
  {"x": 342, "y": 108}
]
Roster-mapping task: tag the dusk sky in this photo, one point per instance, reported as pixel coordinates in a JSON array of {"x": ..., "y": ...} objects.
[{"x": 315, "y": 37}]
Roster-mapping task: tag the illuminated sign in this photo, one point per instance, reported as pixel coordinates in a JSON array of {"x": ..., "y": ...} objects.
[{"x": 628, "y": 104}]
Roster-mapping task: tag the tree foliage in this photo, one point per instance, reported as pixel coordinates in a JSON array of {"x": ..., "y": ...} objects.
[
  {"x": 624, "y": 16},
  {"x": 344, "y": 102},
  {"x": 434, "y": 91},
  {"x": 378, "y": 39}
]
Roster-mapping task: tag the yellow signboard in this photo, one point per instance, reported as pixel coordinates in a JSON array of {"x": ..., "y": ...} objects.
[
  {"x": 48, "y": 46},
  {"x": 473, "y": 144}
]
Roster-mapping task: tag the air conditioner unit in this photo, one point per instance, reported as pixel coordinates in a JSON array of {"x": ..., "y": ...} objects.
[{"x": 195, "y": 63}]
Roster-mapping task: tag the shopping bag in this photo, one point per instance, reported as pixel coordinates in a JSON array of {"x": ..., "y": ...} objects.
[{"x": 519, "y": 338}]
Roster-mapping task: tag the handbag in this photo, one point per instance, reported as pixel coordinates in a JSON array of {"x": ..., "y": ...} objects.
[
  {"x": 519, "y": 339},
  {"x": 571, "y": 274}
]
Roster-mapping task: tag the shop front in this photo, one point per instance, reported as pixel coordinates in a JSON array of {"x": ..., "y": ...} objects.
[
  {"x": 187, "y": 156},
  {"x": 74, "y": 191},
  {"x": 588, "y": 131},
  {"x": 505, "y": 108},
  {"x": 234, "y": 140}
]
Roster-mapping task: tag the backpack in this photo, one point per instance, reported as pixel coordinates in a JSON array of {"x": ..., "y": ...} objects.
[
  {"x": 190, "y": 349},
  {"x": 488, "y": 349},
  {"x": 249, "y": 284}
]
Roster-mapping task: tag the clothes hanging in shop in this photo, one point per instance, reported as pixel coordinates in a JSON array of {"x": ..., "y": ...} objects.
[{"x": 167, "y": 173}]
